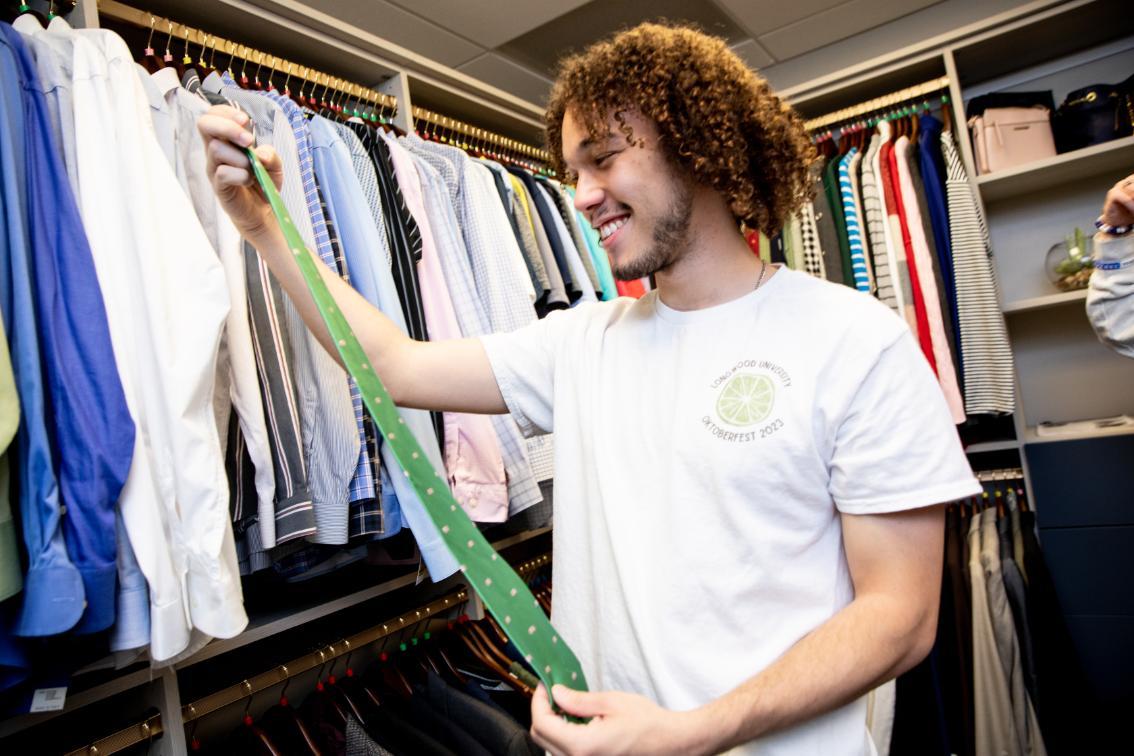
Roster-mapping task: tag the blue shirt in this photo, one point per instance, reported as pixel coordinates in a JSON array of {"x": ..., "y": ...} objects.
[
  {"x": 93, "y": 433},
  {"x": 373, "y": 279},
  {"x": 933, "y": 178},
  {"x": 53, "y": 588}
]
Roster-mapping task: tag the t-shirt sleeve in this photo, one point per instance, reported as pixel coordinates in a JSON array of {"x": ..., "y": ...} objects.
[
  {"x": 524, "y": 364},
  {"x": 895, "y": 446}
]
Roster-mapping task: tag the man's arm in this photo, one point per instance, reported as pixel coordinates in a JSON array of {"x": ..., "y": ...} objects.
[
  {"x": 895, "y": 564},
  {"x": 450, "y": 376},
  {"x": 1110, "y": 299}
]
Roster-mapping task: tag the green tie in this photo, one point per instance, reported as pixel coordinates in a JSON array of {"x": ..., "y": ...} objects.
[{"x": 503, "y": 591}]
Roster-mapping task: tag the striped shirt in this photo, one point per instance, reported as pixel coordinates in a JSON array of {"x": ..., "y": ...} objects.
[
  {"x": 854, "y": 230},
  {"x": 988, "y": 364}
]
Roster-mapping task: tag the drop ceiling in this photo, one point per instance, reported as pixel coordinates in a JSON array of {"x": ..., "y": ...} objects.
[{"x": 515, "y": 44}]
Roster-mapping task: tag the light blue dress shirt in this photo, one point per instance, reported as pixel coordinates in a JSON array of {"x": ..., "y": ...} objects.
[{"x": 372, "y": 278}]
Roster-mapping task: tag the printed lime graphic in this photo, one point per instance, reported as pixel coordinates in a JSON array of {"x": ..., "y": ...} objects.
[{"x": 746, "y": 399}]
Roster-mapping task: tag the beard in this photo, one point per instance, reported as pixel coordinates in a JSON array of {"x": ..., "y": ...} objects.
[{"x": 669, "y": 240}]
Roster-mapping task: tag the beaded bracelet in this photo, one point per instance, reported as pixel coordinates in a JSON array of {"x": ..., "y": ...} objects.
[{"x": 1110, "y": 230}]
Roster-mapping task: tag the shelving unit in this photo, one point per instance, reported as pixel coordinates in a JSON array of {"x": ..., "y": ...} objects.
[
  {"x": 1056, "y": 171},
  {"x": 1033, "y": 437},
  {"x": 1046, "y": 301}
]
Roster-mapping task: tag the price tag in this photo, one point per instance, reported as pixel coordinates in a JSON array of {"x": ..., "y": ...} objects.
[{"x": 48, "y": 699}]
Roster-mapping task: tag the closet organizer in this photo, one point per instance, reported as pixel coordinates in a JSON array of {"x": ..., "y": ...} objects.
[{"x": 249, "y": 479}]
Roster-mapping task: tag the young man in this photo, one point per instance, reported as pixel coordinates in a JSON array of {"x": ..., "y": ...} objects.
[{"x": 747, "y": 459}]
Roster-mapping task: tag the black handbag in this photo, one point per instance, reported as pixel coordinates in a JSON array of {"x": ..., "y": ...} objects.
[{"x": 1092, "y": 115}]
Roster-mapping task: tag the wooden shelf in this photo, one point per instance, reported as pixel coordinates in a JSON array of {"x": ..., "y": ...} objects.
[
  {"x": 1042, "y": 303},
  {"x": 1113, "y": 156},
  {"x": 1032, "y": 437}
]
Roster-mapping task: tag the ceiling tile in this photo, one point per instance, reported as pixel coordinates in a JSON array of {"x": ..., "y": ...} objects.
[
  {"x": 762, "y": 16},
  {"x": 753, "y": 54},
  {"x": 509, "y": 76},
  {"x": 834, "y": 24},
  {"x": 490, "y": 22},
  {"x": 401, "y": 27},
  {"x": 541, "y": 48}
]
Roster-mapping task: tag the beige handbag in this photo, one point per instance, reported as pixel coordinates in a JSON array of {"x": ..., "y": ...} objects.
[{"x": 1007, "y": 137}]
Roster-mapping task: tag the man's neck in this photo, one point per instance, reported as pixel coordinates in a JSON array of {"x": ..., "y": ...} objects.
[{"x": 718, "y": 267}]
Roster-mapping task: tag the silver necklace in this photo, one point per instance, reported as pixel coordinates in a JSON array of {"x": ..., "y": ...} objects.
[{"x": 760, "y": 280}]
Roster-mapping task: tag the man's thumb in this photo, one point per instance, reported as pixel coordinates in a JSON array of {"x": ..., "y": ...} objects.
[{"x": 579, "y": 703}]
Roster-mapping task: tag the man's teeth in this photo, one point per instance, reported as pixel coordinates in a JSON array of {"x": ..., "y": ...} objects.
[{"x": 607, "y": 229}]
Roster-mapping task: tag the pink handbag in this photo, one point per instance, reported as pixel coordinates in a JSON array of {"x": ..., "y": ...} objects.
[{"x": 1007, "y": 137}]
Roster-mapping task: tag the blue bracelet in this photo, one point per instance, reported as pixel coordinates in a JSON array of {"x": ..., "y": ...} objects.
[{"x": 1110, "y": 230}]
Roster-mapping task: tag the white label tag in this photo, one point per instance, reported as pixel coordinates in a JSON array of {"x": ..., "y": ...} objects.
[{"x": 48, "y": 699}]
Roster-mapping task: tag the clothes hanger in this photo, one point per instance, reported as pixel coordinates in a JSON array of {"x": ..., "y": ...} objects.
[
  {"x": 248, "y": 737},
  {"x": 149, "y": 61},
  {"x": 284, "y": 726},
  {"x": 26, "y": 10}
]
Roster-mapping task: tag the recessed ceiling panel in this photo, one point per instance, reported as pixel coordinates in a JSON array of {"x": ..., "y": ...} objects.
[
  {"x": 836, "y": 23},
  {"x": 762, "y": 16},
  {"x": 509, "y": 76},
  {"x": 401, "y": 27},
  {"x": 753, "y": 54},
  {"x": 490, "y": 22},
  {"x": 542, "y": 48}
]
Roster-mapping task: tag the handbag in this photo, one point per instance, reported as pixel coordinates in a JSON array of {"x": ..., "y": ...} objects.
[
  {"x": 1006, "y": 137},
  {"x": 1092, "y": 115}
]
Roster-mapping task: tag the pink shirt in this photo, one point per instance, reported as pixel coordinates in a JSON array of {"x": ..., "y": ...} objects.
[
  {"x": 942, "y": 356},
  {"x": 472, "y": 452}
]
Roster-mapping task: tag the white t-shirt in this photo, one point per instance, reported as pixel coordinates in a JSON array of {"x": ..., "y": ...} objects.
[{"x": 701, "y": 462}]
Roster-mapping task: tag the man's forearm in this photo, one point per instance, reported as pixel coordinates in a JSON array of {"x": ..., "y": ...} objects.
[{"x": 873, "y": 639}]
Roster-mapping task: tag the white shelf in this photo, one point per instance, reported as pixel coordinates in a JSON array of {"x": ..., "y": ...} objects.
[
  {"x": 1042, "y": 303},
  {"x": 1114, "y": 156},
  {"x": 992, "y": 446},
  {"x": 1031, "y": 437}
]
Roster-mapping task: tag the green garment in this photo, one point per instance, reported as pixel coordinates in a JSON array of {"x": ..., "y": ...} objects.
[{"x": 11, "y": 579}]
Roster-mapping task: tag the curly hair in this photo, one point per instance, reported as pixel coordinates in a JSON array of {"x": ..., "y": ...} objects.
[{"x": 717, "y": 119}]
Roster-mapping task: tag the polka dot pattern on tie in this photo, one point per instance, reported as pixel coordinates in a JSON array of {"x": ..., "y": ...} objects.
[{"x": 503, "y": 592}]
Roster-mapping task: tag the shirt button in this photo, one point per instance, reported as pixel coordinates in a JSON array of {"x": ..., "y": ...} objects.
[
  {"x": 472, "y": 503},
  {"x": 62, "y": 509}
]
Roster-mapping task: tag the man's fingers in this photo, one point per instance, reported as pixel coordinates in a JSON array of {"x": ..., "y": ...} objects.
[
  {"x": 549, "y": 730},
  {"x": 272, "y": 163},
  {"x": 219, "y": 127},
  {"x": 579, "y": 703},
  {"x": 224, "y": 153},
  {"x": 229, "y": 176}
]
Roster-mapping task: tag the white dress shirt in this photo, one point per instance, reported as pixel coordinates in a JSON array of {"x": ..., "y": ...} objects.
[{"x": 167, "y": 301}]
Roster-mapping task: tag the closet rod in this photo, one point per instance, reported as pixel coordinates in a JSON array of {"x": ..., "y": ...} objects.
[
  {"x": 204, "y": 40},
  {"x": 364, "y": 95},
  {"x": 878, "y": 103},
  {"x": 123, "y": 739},
  {"x": 319, "y": 658},
  {"x": 452, "y": 124}
]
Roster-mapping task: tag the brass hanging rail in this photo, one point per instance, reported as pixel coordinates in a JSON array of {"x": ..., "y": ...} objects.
[
  {"x": 479, "y": 134},
  {"x": 151, "y": 727},
  {"x": 235, "y": 50},
  {"x": 878, "y": 103},
  {"x": 123, "y": 739},
  {"x": 346, "y": 89}
]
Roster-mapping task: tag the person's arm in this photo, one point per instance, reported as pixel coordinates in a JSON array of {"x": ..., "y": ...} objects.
[
  {"x": 452, "y": 376},
  {"x": 1110, "y": 298},
  {"x": 895, "y": 565}
]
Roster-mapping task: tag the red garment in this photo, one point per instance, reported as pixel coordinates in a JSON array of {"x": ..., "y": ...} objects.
[
  {"x": 889, "y": 165},
  {"x": 630, "y": 288},
  {"x": 753, "y": 239}
]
